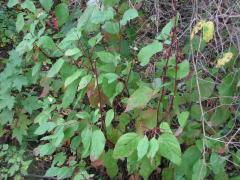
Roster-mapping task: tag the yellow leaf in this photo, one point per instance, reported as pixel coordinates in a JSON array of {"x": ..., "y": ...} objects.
[
  {"x": 197, "y": 28},
  {"x": 207, "y": 27},
  {"x": 225, "y": 59},
  {"x": 208, "y": 31}
]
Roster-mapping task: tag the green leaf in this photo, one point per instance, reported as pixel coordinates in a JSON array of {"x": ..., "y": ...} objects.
[
  {"x": 183, "y": 69},
  {"x": 6, "y": 116},
  {"x": 106, "y": 57},
  {"x": 153, "y": 148},
  {"x": 206, "y": 87},
  {"x": 55, "y": 68},
  {"x": 142, "y": 147},
  {"x": 7, "y": 101},
  {"x": 46, "y": 149},
  {"x": 12, "y": 3},
  {"x": 84, "y": 81},
  {"x": 217, "y": 163},
  {"x": 71, "y": 52},
  {"x": 199, "y": 170},
  {"x": 46, "y": 4},
  {"x": 126, "y": 145},
  {"x": 182, "y": 118},
  {"x": 86, "y": 140},
  {"x": 97, "y": 144},
  {"x": 165, "y": 33},
  {"x": 31, "y": 103},
  {"x": 19, "y": 22},
  {"x": 109, "y": 117},
  {"x": 111, "y": 164},
  {"x": 148, "y": 51},
  {"x": 164, "y": 126},
  {"x": 46, "y": 42},
  {"x": 62, "y": 13},
  {"x": 73, "y": 77},
  {"x": 45, "y": 127},
  {"x": 128, "y": 15},
  {"x": 170, "y": 148},
  {"x": 111, "y": 27},
  {"x": 69, "y": 94},
  {"x": 29, "y": 5},
  {"x": 59, "y": 159},
  {"x": 140, "y": 98}
]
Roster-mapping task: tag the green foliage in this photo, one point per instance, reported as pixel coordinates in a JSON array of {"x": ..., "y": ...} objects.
[
  {"x": 13, "y": 163},
  {"x": 91, "y": 101}
]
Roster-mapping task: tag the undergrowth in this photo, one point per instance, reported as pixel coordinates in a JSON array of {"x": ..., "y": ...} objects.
[{"x": 87, "y": 94}]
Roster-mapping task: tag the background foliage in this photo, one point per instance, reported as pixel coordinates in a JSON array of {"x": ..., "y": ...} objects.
[{"x": 111, "y": 90}]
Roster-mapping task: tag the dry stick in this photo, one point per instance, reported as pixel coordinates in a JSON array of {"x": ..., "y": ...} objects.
[
  {"x": 200, "y": 103},
  {"x": 169, "y": 52},
  {"x": 94, "y": 70}
]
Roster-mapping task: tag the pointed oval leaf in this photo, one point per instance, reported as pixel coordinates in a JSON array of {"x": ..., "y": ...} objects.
[
  {"x": 84, "y": 81},
  {"x": 109, "y": 117},
  {"x": 62, "y": 13},
  {"x": 46, "y": 4},
  {"x": 97, "y": 144},
  {"x": 73, "y": 77},
  {"x": 128, "y": 15},
  {"x": 140, "y": 98},
  {"x": 153, "y": 148},
  {"x": 182, "y": 118},
  {"x": 12, "y": 3},
  {"x": 19, "y": 22},
  {"x": 148, "y": 51},
  {"x": 55, "y": 68},
  {"x": 142, "y": 147},
  {"x": 126, "y": 145},
  {"x": 170, "y": 148}
]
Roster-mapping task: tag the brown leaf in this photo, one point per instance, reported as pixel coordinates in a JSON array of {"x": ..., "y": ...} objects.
[{"x": 94, "y": 98}]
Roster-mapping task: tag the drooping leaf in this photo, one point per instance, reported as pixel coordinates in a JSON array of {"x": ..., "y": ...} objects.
[
  {"x": 128, "y": 15},
  {"x": 86, "y": 136},
  {"x": 169, "y": 148},
  {"x": 62, "y": 13},
  {"x": 46, "y": 42},
  {"x": 46, "y": 4},
  {"x": 142, "y": 147},
  {"x": 126, "y": 145},
  {"x": 164, "y": 127},
  {"x": 109, "y": 117},
  {"x": 224, "y": 60},
  {"x": 45, "y": 127},
  {"x": 69, "y": 94},
  {"x": 97, "y": 144},
  {"x": 140, "y": 98},
  {"x": 153, "y": 148},
  {"x": 111, "y": 27},
  {"x": 208, "y": 31},
  {"x": 106, "y": 57},
  {"x": 182, "y": 118},
  {"x": 84, "y": 81},
  {"x": 73, "y": 77},
  {"x": 28, "y": 4},
  {"x": 12, "y": 3},
  {"x": 55, "y": 68},
  {"x": 71, "y": 52},
  {"x": 111, "y": 164},
  {"x": 165, "y": 33},
  {"x": 148, "y": 51},
  {"x": 46, "y": 149},
  {"x": 19, "y": 22},
  {"x": 199, "y": 170}
]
